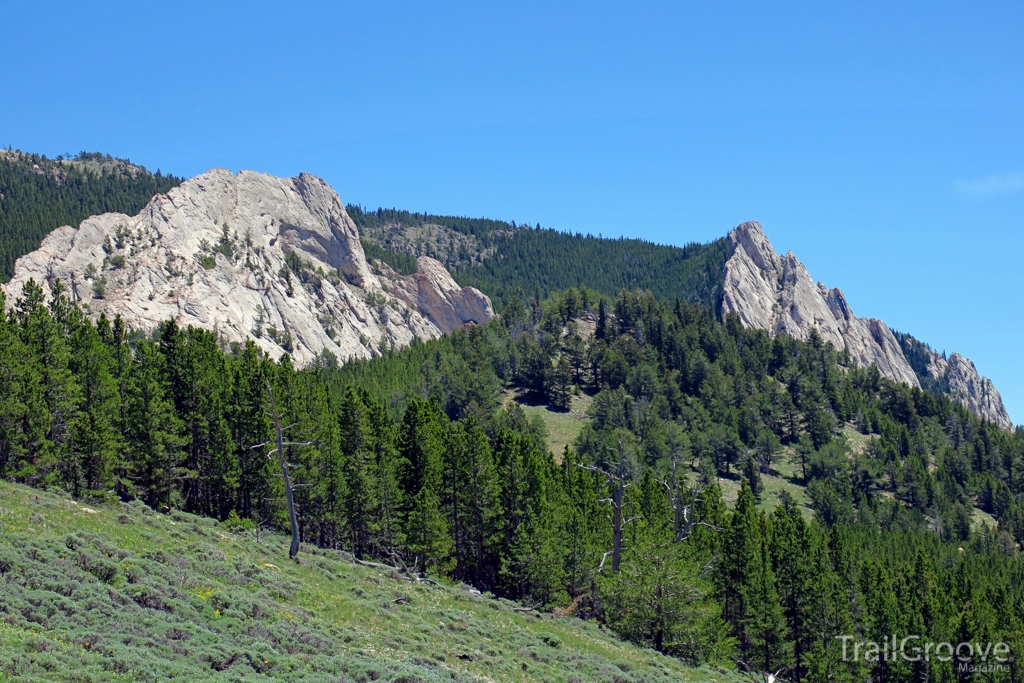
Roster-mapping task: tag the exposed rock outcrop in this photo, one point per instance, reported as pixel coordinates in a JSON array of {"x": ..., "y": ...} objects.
[
  {"x": 275, "y": 260},
  {"x": 776, "y": 293},
  {"x": 967, "y": 386}
]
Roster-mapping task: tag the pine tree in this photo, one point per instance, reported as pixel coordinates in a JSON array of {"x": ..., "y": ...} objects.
[
  {"x": 752, "y": 603},
  {"x": 426, "y": 532},
  {"x": 767, "y": 638},
  {"x": 751, "y": 471},
  {"x": 561, "y": 385},
  {"x": 324, "y": 465},
  {"x": 195, "y": 370},
  {"x": 360, "y": 473},
  {"x": 94, "y": 441},
  {"x": 425, "y": 525},
  {"x": 601, "y": 331},
  {"x": 23, "y": 417},
  {"x": 576, "y": 355},
  {"x": 388, "y": 464},
  {"x": 250, "y": 425},
  {"x": 471, "y": 499},
  {"x": 829, "y": 613},
  {"x": 115, "y": 338},
  {"x": 741, "y": 549},
  {"x": 153, "y": 432},
  {"x": 586, "y": 534},
  {"x": 790, "y": 558},
  {"x": 529, "y": 562},
  {"x": 49, "y": 357}
]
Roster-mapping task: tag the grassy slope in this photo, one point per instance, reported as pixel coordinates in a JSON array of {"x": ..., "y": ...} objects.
[
  {"x": 121, "y": 593},
  {"x": 785, "y": 475},
  {"x": 562, "y": 426}
]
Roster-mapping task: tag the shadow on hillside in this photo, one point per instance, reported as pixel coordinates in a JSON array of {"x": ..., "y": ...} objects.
[{"x": 533, "y": 400}]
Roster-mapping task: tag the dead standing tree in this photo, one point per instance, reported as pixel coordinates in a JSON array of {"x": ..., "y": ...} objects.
[
  {"x": 618, "y": 476},
  {"x": 293, "y": 518},
  {"x": 684, "y": 502}
]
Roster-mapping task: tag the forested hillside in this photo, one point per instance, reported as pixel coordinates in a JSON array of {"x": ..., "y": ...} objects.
[
  {"x": 919, "y": 355},
  {"x": 413, "y": 461},
  {"x": 504, "y": 260},
  {"x": 38, "y": 195}
]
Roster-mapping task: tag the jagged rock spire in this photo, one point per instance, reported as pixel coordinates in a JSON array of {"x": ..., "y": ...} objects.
[{"x": 776, "y": 293}]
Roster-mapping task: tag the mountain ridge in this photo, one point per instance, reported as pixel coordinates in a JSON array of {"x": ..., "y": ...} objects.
[
  {"x": 776, "y": 293},
  {"x": 310, "y": 295},
  {"x": 254, "y": 257},
  {"x": 507, "y": 260},
  {"x": 37, "y": 195}
]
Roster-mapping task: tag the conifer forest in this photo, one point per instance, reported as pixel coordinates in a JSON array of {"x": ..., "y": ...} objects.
[
  {"x": 39, "y": 194},
  {"x": 654, "y": 522}
]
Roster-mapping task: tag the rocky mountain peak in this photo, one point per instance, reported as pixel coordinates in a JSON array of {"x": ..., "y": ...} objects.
[
  {"x": 275, "y": 260},
  {"x": 776, "y": 293},
  {"x": 749, "y": 237}
]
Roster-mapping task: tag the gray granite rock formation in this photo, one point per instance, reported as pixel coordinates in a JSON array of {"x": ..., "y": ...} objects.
[
  {"x": 776, "y": 293},
  {"x": 275, "y": 260}
]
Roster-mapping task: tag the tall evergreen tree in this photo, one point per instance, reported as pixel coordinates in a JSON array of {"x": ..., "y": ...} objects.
[
  {"x": 250, "y": 425},
  {"x": 425, "y": 525},
  {"x": 195, "y": 369},
  {"x": 767, "y": 645},
  {"x": 532, "y": 563},
  {"x": 24, "y": 420},
  {"x": 586, "y": 533},
  {"x": 153, "y": 432},
  {"x": 790, "y": 548},
  {"x": 49, "y": 356},
  {"x": 360, "y": 472},
  {"x": 472, "y": 500},
  {"x": 561, "y": 384},
  {"x": 751, "y": 596},
  {"x": 94, "y": 438}
]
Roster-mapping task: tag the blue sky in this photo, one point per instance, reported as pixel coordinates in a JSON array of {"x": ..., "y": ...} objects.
[{"x": 881, "y": 142}]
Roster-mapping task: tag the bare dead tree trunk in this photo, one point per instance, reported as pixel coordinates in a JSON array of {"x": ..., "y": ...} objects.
[
  {"x": 618, "y": 491},
  {"x": 293, "y": 519},
  {"x": 684, "y": 502},
  {"x": 619, "y": 482}
]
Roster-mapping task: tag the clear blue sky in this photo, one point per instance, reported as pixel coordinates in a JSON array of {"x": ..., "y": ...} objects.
[{"x": 881, "y": 142}]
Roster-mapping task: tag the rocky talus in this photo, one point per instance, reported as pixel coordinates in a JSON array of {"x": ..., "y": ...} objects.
[
  {"x": 776, "y": 293},
  {"x": 251, "y": 256}
]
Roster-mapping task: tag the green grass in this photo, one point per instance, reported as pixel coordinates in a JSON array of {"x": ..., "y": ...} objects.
[
  {"x": 980, "y": 518},
  {"x": 562, "y": 426},
  {"x": 785, "y": 476},
  {"x": 858, "y": 442},
  {"x": 121, "y": 593}
]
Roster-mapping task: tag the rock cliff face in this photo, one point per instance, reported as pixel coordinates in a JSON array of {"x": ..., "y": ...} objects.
[
  {"x": 275, "y": 260},
  {"x": 968, "y": 387},
  {"x": 776, "y": 293}
]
